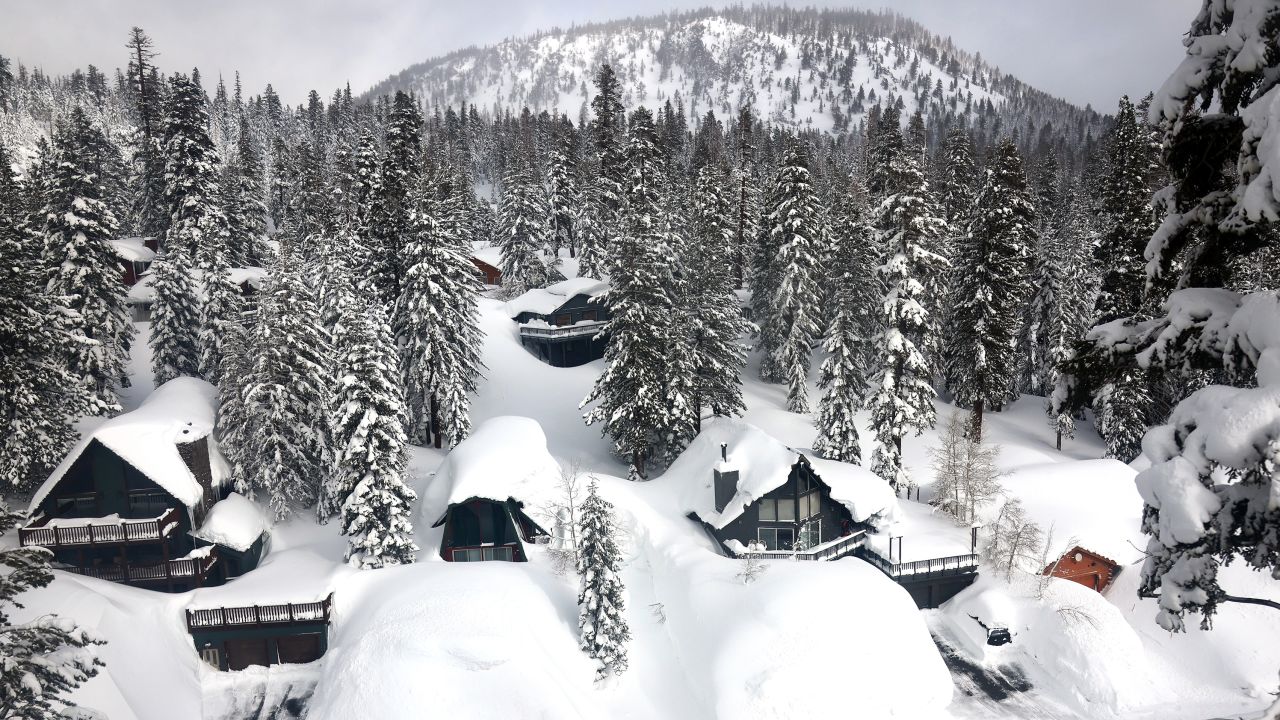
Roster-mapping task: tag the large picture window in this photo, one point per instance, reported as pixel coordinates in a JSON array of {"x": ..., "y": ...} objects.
[
  {"x": 768, "y": 510},
  {"x": 810, "y": 504},
  {"x": 76, "y": 506},
  {"x": 811, "y": 534},
  {"x": 776, "y": 538},
  {"x": 482, "y": 554}
]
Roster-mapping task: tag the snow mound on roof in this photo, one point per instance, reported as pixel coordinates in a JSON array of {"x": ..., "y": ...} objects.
[
  {"x": 506, "y": 457},
  {"x": 235, "y": 522},
  {"x": 178, "y": 412},
  {"x": 544, "y": 300},
  {"x": 763, "y": 463},
  {"x": 133, "y": 249}
]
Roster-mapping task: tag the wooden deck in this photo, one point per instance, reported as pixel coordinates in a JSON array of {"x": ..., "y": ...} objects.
[
  {"x": 260, "y": 615},
  {"x": 118, "y": 533},
  {"x": 923, "y": 569},
  {"x": 184, "y": 570}
]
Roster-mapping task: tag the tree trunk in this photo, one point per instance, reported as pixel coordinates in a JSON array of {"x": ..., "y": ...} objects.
[
  {"x": 1058, "y": 441},
  {"x": 976, "y": 428},
  {"x": 434, "y": 427}
]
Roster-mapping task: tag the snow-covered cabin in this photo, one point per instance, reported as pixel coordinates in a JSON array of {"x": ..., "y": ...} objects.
[
  {"x": 754, "y": 494},
  {"x": 142, "y": 295},
  {"x": 562, "y": 323},
  {"x": 136, "y": 255},
  {"x": 486, "y": 259},
  {"x": 132, "y": 500},
  {"x": 480, "y": 492},
  {"x": 1082, "y": 565},
  {"x": 234, "y": 638}
]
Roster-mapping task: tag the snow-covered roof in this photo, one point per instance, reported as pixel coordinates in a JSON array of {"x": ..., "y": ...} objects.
[
  {"x": 144, "y": 290},
  {"x": 133, "y": 249},
  {"x": 545, "y": 300},
  {"x": 506, "y": 457},
  {"x": 178, "y": 412},
  {"x": 763, "y": 464},
  {"x": 235, "y": 522},
  {"x": 486, "y": 252}
]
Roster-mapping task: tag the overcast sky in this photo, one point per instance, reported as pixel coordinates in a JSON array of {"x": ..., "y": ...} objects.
[{"x": 1087, "y": 51}]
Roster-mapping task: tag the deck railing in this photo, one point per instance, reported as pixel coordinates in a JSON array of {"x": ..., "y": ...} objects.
[
  {"x": 124, "y": 531},
  {"x": 563, "y": 331},
  {"x": 194, "y": 570},
  {"x": 921, "y": 569},
  {"x": 830, "y": 550},
  {"x": 288, "y": 613}
]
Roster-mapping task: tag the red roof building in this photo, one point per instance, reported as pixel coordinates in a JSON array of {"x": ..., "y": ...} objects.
[{"x": 1085, "y": 567}]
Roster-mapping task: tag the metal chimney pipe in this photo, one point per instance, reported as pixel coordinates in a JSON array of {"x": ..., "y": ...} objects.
[{"x": 724, "y": 451}]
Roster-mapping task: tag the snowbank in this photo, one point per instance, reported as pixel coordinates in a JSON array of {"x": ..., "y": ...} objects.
[
  {"x": 235, "y": 522},
  {"x": 178, "y": 412},
  {"x": 506, "y": 457},
  {"x": 763, "y": 464},
  {"x": 544, "y": 300}
]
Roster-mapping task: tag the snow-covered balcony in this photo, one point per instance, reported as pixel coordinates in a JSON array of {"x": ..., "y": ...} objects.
[
  {"x": 190, "y": 571},
  {"x": 921, "y": 569},
  {"x": 257, "y": 615},
  {"x": 54, "y": 533},
  {"x": 831, "y": 550},
  {"x": 538, "y": 328}
]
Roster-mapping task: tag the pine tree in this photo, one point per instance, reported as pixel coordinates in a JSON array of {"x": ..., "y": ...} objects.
[
  {"x": 175, "y": 320},
  {"x": 435, "y": 322},
  {"x": 784, "y": 278},
  {"x": 286, "y": 395},
  {"x": 388, "y": 228},
  {"x": 564, "y": 191},
  {"x": 633, "y": 392},
  {"x": 713, "y": 315},
  {"x": 246, "y": 206},
  {"x": 44, "y": 660},
  {"x": 234, "y": 423},
  {"x": 191, "y": 177},
  {"x": 746, "y": 200},
  {"x": 222, "y": 298},
  {"x": 146, "y": 87},
  {"x": 990, "y": 281},
  {"x": 845, "y": 371},
  {"x": 601, "y": 602},
  {"x": 83, "y": 271},
  {"x": 902, "y": 394},
  {"x": 368, "y": 475},
  {"x": 39, "y": 397},
  {"x": 523, "y": 222},
  {"x": 607, "y": 132}
]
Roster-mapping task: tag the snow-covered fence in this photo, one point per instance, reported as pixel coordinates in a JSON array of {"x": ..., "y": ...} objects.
[
  {"x": 831, "y": 550},
  {"x": 51, "y": 533},
  {"x": 583, "y": 328},
  {"x": 194, "y": 568},
  {"x": 283, "y": 614},
  {"x": 933, "y": 567}
]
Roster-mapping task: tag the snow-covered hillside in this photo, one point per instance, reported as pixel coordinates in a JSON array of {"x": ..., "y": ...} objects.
[{"x": 797, "y": 69}]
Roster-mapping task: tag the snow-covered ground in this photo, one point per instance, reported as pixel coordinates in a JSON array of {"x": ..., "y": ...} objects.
[{"x": 804, "y": 640}]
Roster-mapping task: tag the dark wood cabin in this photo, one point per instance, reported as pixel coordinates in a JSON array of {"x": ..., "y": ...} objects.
[
  {"x": 104, "y": 518},
  {"x": 132, "y": 266},
  {"x": 480, "y": 529},
  {"x": 1086, "y": 567},
  {"x": 566, "y": 343},
  {"x": 487, "y": 273},
  {"x": 234, "y": 638},
  {"x": 797, "y": 515}
]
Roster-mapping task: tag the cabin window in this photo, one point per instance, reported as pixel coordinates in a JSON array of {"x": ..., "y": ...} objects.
[
  {"x": 589, "y": 315},
  {"x": 810, "y": 504},
  {"x": 147, "y": 503},
  {"x": 811, "y": 534},
  {"x": 76, "y": 506},
  {"x": 482, "y": 554},
  {"x": 213, "y": 656},
  {"x": 776, "y": 538},
  {"x": 564, "y": 319},
  {"x": 768, "y": 510},
  {"x": 777, "y": 510}
]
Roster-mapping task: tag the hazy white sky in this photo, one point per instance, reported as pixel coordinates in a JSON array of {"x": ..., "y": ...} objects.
[{"x": 1087, "y": 51}]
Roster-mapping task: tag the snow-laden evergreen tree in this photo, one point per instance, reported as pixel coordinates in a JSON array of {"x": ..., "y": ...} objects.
[
  {"x": 222, "y": 298},
  {"x": 901, "y": 391},
  {"x": 368, "y": 475},
  {"x": 564, "y": 200},
  {"x": 389, "y": 225},
  {"x": 633, "y": 390},
  {"x": 191, "y": 170},
  {"x": 44, "y": 660},
  {"x": 522, "y": 221},
  {"x": 794, "y": 226},
  {"x": 234, "y": 423},
  {"x": 990, "y": 278},
  {"x": 746, "y": 200},
  {"x": 714, "y": 317},
  {"x": 957, "y": 189},
  {"x": 435, "y": 321},
  {"x": 39, "y": 397},
  {"x": 602, "y": 606},
  {"x": 175, "y": 320},
  {"x": 247, "y": 208},
  {"x": 844, "y": 373},
  {"x": 608, "y": 133},
  {"x": 83, "y": 270},
  {"x": 287, "y": 393}
]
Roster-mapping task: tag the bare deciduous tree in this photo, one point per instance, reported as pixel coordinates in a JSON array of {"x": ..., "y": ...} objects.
[
  {"x": 1015, "y": 540},
  {"x": 964, "y": 469}
]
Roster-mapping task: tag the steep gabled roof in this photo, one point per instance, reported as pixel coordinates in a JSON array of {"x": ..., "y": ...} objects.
[
  {"x": 178, "y": 412},
  {"x": 133, "y": 249},
  {"x": 763, "y": 464},
  {"x": 506, "y": 457},
  {"x": 545, "y": 301}
]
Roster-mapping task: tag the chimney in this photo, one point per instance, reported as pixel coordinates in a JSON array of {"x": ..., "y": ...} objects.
[{"x": 726, "y": 480}]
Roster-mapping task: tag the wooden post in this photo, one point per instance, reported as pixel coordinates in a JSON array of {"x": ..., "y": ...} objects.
[{"x": 57, "y": 537}]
